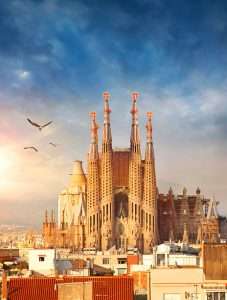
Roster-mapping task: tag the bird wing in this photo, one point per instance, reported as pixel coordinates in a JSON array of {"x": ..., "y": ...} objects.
[
  {"x": 47, "y": 124},
  {"x": 33, "y": 148},
  {"x": 33, "y": 123},
  {"x": 54, "y": 145}
]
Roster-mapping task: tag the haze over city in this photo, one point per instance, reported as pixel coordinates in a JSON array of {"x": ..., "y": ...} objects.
[{"x": 58, "y": 57}]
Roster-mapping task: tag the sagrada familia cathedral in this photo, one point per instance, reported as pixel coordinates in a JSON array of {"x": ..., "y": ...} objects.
[{"x": 117, "y": 203}]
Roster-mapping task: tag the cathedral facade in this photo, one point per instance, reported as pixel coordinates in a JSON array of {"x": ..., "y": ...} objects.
[
  {"x": 187, "y": 218},
  {"x": 116, "y": 204}
]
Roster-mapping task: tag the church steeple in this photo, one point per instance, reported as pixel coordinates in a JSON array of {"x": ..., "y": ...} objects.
[
  {"x": 107, "y": 137},
  {"x": 93, "y": 153},
  {"x": 135, "y": 138},
  {"x": 150, "y": 191},
  {"x": 135, "y": 178},
  {"x": 149, "y": 156},
  {"x": 106, "y": 178},
  {"x": 93, "y": 187}
]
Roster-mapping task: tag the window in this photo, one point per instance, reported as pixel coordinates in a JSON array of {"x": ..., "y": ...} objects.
[
  {"x": 106, "y": 261},
  {"x": 42, "y": 258},
  {"x": 216, "y": 296},
  {"x": 121, "y": 261}
]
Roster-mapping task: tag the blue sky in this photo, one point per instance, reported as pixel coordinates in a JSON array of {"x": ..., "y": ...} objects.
[{"x": 56, "y": 59}]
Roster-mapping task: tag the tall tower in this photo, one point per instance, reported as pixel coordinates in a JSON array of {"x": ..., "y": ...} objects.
[
  {"x": 135, "y": 179},
  {"x": 149, "y": 212},
  {"x": 93, "y": 188},
  {"x": 106, "y": 179}
]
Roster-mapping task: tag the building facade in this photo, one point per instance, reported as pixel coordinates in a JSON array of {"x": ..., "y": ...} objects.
[
  {"x": 187, "y": 218},
  {"x": 116, "y": 204}
]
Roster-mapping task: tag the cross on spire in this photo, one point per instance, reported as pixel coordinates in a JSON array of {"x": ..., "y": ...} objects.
[
  {"x": 106, "y": 96},
  {"x": 93, "y": 115},
  {"x": 134, "y": 109},
  {"x": 135, "y": 96},
  {"x": 107, "y": 110},
  {"x": 149, "y": 115}
]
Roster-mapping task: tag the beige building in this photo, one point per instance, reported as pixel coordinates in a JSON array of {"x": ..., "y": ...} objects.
[
  {"x": 205, "y": 282},
  {"x": 115, "y": 204},
  {"x": 176, "y": 284},
  {"x": 121, "y": 188}
]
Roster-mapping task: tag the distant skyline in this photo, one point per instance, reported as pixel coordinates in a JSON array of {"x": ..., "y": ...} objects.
[{"x": 58, "y": 57}]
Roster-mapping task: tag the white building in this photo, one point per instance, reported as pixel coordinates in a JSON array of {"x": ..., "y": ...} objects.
[{"x": 42, "y": 261}]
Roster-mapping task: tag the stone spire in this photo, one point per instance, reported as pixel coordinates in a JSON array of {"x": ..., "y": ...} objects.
[
  {"x": 106, "y": 178},
  {"x": 93, "y": 153},
  {"x": 149, "y": 191},
  {"x": 135, "y": 138},
  {"x": 135, "y": 178},
  {"x": 107, "y": 137},
  {"x": 93, "y": 188}
]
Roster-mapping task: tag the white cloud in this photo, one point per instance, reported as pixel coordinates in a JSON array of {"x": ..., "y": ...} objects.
[{"x": 23, "y": 74}]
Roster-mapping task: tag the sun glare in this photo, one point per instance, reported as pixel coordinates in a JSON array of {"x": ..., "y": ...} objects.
[{"x": 5, "y": 162}]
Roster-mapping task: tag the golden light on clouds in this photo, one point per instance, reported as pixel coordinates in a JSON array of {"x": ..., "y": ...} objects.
[{"x": 6, "y": 161}]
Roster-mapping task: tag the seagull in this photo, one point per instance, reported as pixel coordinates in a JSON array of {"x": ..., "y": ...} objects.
[
  {"x": 52, "y": 144},
  {"x": 32, "y": 148},
  {"x": 40, "y": 127}
]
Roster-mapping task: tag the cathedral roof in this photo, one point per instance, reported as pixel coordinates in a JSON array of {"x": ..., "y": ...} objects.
[{"x": 78, "y": 177}]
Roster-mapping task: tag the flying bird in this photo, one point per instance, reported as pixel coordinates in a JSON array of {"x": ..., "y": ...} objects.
[
  {"x": 40, "y": 127},
  {"x": 52, "y": 144},
  {"x": 32, "y": 148}
]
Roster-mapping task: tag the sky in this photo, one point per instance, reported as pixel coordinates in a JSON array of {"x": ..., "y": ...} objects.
[{"x": 58, "y": 57}]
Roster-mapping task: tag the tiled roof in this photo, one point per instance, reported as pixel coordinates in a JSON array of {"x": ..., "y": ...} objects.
[{"x": 115, "y": 287}]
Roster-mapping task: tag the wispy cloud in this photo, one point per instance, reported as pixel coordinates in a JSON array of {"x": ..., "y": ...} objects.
[{"x": 175, "y": 55}]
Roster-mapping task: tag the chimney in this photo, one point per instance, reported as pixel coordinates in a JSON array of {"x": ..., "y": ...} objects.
[{"x": 4, "y": 286}]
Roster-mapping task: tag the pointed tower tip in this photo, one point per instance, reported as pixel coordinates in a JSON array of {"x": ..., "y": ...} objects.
[
  {"x": 135, "y": 96},
  {"x": 134, "y": 109},
  {"x": 198, "y": 191},
  {"x": 149, "y": 127},
  {"x": 93, "y": 115},
  {"x": 107, "y": 110},
  {"x": 149, "y": 115},
  {"x": 94, "y": 136},
  {"x": 106, "y": 96}
]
